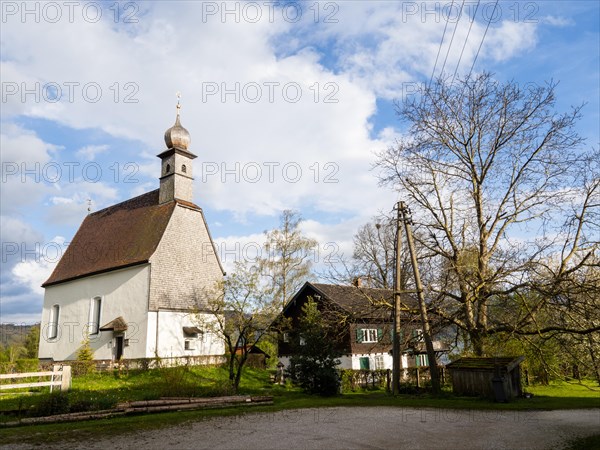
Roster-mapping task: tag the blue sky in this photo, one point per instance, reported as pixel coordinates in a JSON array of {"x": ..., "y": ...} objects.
[{"x": 286, "y": 104}]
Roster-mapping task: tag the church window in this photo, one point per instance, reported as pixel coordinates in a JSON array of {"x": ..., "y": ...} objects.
[
  {"x": 183, "y": 168},
  {"x": 95, "y": 308},
  {"x": 53, "y": 325},
  {"x": 168, "y": 168}
]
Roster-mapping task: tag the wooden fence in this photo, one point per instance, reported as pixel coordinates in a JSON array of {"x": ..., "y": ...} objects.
[{"x": 60, "y": 377}]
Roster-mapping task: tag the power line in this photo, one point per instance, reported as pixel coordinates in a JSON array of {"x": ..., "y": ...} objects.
[
  {"x": 452, "y": 38},
  {"x": 439, "y": 49},
  {"x": 482, "y": 39},
  {"x": 465, "y": 44}
]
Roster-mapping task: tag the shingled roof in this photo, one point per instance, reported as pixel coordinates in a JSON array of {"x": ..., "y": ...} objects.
[
  {"x": 358, "y": 301},
  {"x": 119, "y": 236}
]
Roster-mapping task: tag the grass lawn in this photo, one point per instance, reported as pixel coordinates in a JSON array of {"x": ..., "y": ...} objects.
[{"x": 109, "y": 388}]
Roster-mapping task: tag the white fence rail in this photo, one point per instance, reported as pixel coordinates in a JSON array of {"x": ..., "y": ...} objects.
[{"x": 59, "y": 377}]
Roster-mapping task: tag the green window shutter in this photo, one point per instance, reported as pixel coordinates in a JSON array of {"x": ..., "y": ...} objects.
[
  {"x": 379, "y": 334},
  {"x": 364, "y": 363},
  {"x": 359, "y": 335},
  {"x": 392, "y": 334},
  {"x": 426, "y": 360},
  {"x": 417, "y": 358}
]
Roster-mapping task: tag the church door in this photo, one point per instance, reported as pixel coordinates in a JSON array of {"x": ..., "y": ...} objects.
[{"x": 119, "y": 342}]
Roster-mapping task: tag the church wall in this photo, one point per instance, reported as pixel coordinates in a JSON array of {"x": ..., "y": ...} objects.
[
  {"x": 123, "y": 292},
  {"x": 184, "y": 265},
  {"x": 171, "y": 338}
]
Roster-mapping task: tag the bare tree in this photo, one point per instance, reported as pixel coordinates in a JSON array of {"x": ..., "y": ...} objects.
[
  {"x": 491, "y": 172},
  {"x": 240, "y": 312},
  {"x": 374, "y": 254},
  {"x": 288, "y": 260}
]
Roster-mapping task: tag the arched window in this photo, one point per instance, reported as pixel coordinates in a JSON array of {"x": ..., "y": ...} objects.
[
  {"x": 53, "y": 324},
  {"x": 95, "y": 309},
  {"x": 168, "y": 168},
  {"x": 183, "y": 168}
]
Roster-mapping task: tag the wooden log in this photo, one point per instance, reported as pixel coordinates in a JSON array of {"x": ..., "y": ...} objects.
[
  {"x": 190, "y": 406},
  {"x": 71, "y": 417},
  {"x": 197, "y": 400}
]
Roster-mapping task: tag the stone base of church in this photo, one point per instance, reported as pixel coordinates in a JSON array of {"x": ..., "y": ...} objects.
[{"x": 142, "y": 363}]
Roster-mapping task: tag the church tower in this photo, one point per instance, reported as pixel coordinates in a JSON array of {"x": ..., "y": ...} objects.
[{"x": 176, "y": 180}]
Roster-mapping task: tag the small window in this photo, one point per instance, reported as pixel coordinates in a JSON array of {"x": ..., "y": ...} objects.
[
  {"x": 302, "y": 341},
  {"x": 168, "y": 168},
  {"x": 379, "y": 362},
  {"x": 183, "y": 168},
  {"x": 95, "y": 310},
  {"x": 286, "y": 337},
  {"x": 53, "y": 324},
  {"x": 189, "y": 344},
  {"x": 417, "y": 335}
]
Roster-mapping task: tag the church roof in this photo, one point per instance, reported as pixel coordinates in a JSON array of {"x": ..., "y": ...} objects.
[{"x": 119, "y": 236}]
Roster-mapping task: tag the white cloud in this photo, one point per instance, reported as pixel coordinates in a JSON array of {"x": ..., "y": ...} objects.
[
  {"x": 557, "y": 21},
  {"x": 89, "y": 152},
  {"x": 33, "y": 273}
]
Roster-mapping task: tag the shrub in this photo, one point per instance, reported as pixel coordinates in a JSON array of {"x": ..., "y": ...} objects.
[
  {"x": 85, "y": 359},
  {"x": 27, "y": 365}
]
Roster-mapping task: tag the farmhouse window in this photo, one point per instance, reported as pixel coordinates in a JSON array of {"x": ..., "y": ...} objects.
[
  {"x": 286, "y": 337},
  {"x": 189, "y": 344},
  {"x": 368, "y": 335},
  {"x": 379, "y": 364}
]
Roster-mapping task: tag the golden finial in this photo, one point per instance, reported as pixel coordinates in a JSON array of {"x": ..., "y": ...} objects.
[
  {"x": 89, "y": 202},
  {"x": 178, "y": 101}
]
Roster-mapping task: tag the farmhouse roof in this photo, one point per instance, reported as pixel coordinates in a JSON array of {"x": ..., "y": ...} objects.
[
  {"x": 361, "y": 302},
  {"x": 122, "y": 235}
]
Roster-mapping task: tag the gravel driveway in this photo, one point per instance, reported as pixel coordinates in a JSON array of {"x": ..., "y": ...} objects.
[{"x": 365, "y": 428}]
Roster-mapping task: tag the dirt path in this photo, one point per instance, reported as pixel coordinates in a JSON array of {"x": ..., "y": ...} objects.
[{"x": 365, "y": 428}]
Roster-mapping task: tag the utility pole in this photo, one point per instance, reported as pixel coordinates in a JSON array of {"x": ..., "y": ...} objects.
[
  {"x": 433, "y": 369},
  {"x": 397, "y": 307}
]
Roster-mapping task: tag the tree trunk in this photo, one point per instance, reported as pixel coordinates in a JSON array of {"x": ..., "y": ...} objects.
[{"x": 477, "y": 343}]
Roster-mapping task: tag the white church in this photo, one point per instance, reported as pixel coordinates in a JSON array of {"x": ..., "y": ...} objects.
[{"x": 133, "y": 275}]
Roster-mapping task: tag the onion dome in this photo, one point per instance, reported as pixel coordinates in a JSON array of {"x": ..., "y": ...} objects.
[{"x": 177, "y": 136}]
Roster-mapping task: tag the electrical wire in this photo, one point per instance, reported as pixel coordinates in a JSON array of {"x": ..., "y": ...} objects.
[
  {"x": 482, "y": 39},
  {"x": 439, "y": 50},
  {"x": 465, "y": 44},
  {"x": 452, "y": 38}
]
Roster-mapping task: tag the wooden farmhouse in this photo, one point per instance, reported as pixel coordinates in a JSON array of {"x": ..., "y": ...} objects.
[
  {"x": 363, "y": 320},
  {"x": 133, "y": 278}
]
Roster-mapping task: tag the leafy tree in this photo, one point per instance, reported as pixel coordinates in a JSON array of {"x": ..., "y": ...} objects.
[
  {"x": 505, "y": 201},
  {"x": 287, "y": 260},
  {"x": 32, "y": 342},
  {"x": 240, "y": 313},
  {"x": 313, "y": 365}
]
